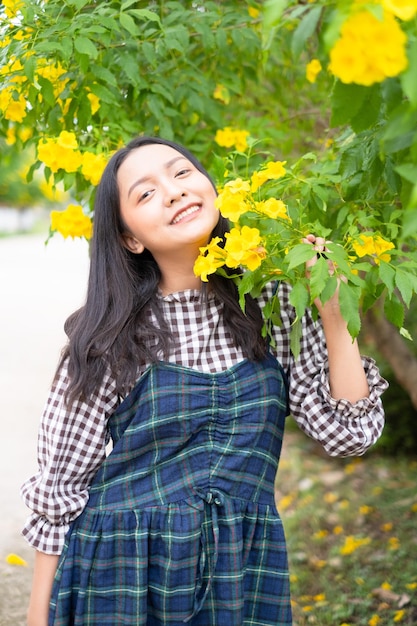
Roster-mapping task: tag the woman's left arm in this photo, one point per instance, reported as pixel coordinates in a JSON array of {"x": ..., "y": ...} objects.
[{"x": 347, "y": 376}]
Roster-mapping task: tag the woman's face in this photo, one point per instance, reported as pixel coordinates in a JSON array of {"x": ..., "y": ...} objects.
[{"x": 166, "y": 203}]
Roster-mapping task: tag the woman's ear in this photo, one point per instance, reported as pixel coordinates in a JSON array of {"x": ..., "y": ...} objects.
[{"x": 132, "y": 244}]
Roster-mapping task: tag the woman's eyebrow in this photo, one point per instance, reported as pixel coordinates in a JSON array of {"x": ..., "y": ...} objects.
[{"x": 166, "y": 165}]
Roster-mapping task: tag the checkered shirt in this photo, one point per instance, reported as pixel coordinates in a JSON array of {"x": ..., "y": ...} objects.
[{"x": 72, "y": 441}]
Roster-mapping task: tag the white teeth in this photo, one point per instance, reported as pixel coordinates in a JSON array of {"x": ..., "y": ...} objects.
[{"x": 183, "y": 214}]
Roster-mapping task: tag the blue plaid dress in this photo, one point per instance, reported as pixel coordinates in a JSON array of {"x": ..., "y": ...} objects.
[{"x": 181, "y": 525}]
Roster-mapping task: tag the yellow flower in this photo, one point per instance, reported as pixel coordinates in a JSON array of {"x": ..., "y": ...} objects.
[
  {"x": 15, "y": 559},
  {"x": 237, "y": 186},
  {"x": 253, "y": 12},
  {"x": 398, "y": 615},
  {"x": 285, "y": 501},
  {"x": 53, "y": 72},
  {"x": 313, "y": 69},
  {"x": 257, "y": 180},
  {"x": 374, "y": 621},
  {"x": 13, "y": 109},
  {"x": 222, "y": 93},
  {"x": 94, "y": 102},
  {"x": 59, "y": 153},
  {"x": 232, "y": 200},
  {"x": 374, "y": 246},
  {"x": 320, "y": 534},
  {"x": 228, "y": 137},
  {"x": 337, "y": 530},
  {"x": 92, "y": 166},
  {"x": 51, "y": 191},
  {"x": 353, "y": 543},
  {"x": 243, "y": 247},
  {"x": 211, "y": 257},
  {"x": 404, "y": 9},
  {"x": 12, "y": 7},
  {"x": 365, "y": 509},
  {"x": 275, "y": 169},
  {"x": 369, "y": 50},
  {"x": 67, "y": 140},
  {"x": 72, "y": 222},
  {"x": 386, "y": 585},
  {"x": 393, "y": 543},
  {"x": 386, "y": 527},
  {"x": 272, "y": 208}
]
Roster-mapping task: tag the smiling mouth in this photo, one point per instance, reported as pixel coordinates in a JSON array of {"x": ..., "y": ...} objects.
[{"x": 180, "y": 216}]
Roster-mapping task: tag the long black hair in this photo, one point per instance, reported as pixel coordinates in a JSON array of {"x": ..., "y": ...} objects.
[{"x": 111, "y": 330}]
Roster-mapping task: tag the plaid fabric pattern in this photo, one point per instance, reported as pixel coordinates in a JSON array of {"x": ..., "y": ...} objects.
[
  {"x": 72, "y": 441},
  {"x": 181, "y": 525}
]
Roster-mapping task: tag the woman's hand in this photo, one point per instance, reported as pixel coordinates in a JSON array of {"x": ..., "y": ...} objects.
[{"x": 331, "y": 306}]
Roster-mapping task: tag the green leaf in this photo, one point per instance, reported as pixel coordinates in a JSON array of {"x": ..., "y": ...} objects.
[
  {"x": 394, "y": 311},
  {"x": 145, "y": 15},
  {"x": 272, "y": 12},
  {"x": 47, "y": 91},
  {"x": 405, "y": 286},
  {"x": 387, "y": 275},
  {"x": 329, "y": 289},
  {"x": 408, "y": 78},
  {"x": 405, "y": 333},
  {"x": 349, "y": 298},
  {"x": 346, "y": 101},
  {"x": 370, "y": 110},
  {"x": 304, "y": 30},
  {"x": 85, "y": 46},
  {"x": 410, "y": 222},
  {"x": 299, "y": 298},
  {"x": 299, "y": 254},
  {"x": 407, "y": 171},
  {"x": 103, "y": 73},
  {"x": 319, "y": 275},
  {"x": 129, "y": 24},
  {"x": 295, "y": 338}
]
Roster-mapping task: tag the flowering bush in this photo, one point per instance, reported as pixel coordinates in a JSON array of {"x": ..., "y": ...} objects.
[
  {"x": 334, "y": 80},
  {"x": 268, "y": 225}
]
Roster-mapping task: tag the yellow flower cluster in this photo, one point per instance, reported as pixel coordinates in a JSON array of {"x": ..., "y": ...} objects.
[
  {"x": 12, "y": 7},
  {"x": 369, "y": 49},
  {"x": 12, "y": 103},
  {"x": 374, "y": 246},
  {"x": 353, "y": 543},
  {"x": 72, "y": 222},
  {"x": 230, "y": 138},
  {"x": 55, "y": 74},
  {"x": 243, "y": 248},
  {"x": 243, "y": 245},
  {"x": 62, "y": 153}
]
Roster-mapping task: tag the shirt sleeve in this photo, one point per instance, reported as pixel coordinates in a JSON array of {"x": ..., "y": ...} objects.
[
  {"x": 343, "y": 428},
  {"x": 71, "y": 447}
]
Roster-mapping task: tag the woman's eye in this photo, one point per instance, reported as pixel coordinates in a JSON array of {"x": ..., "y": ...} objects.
[
  {"x": 182, "y": 172},
  {"x": 144, "y": 195}
]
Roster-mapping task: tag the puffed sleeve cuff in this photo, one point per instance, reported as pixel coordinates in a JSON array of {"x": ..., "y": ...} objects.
[
  {"x": 44, "y": 536},
  {"x": 344, "y": 428},
  {"x": 377, "y": 385}
]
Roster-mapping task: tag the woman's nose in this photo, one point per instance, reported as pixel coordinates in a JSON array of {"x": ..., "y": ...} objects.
[{"x": 173, "y": 193}]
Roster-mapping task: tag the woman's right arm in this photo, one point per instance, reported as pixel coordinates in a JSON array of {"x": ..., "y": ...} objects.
[
  {"x": 71, "y": 447},
  {"x": 43, "y": 577}
]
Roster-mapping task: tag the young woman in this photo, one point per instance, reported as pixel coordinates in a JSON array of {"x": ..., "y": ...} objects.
[{"x": 178, "y": 523}]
